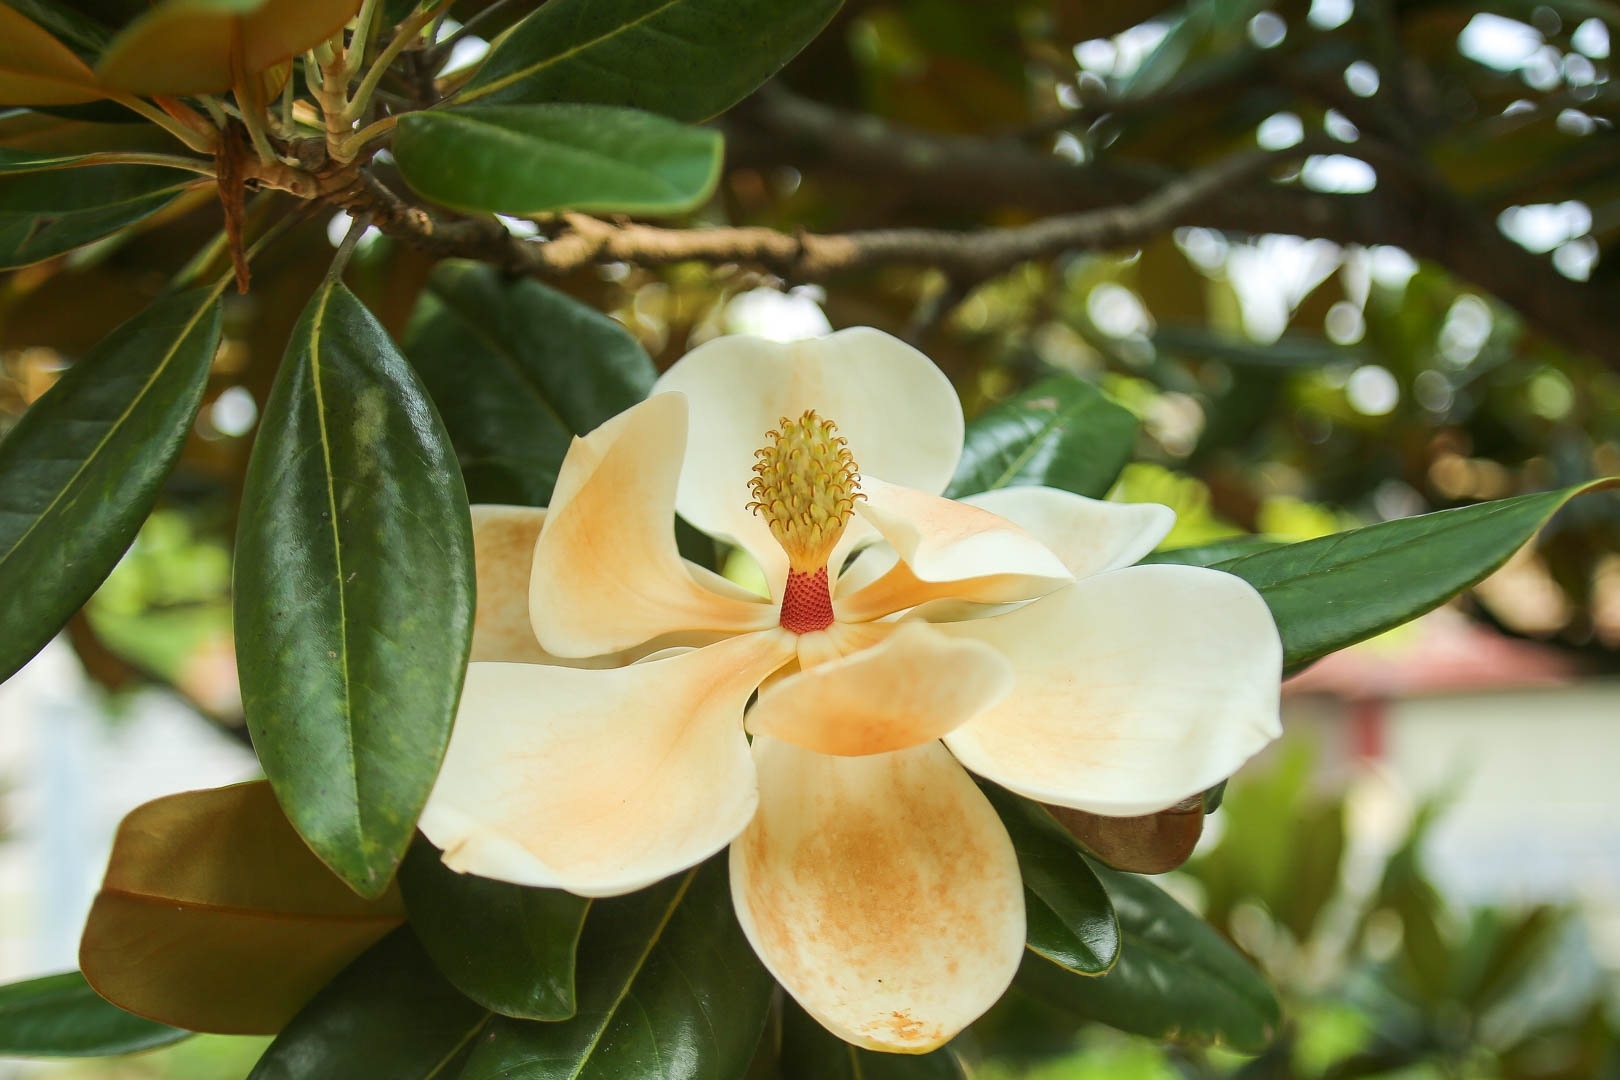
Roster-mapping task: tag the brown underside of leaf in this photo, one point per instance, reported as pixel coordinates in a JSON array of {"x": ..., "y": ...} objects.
[
  {"x": 1153, "y": 844},
  {"x": 214, "y": 915}
]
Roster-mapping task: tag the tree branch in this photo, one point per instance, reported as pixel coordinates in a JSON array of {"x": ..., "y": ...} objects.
[
  {"x": 955, "y": 175},
  {"x": 965, "y": 256}
]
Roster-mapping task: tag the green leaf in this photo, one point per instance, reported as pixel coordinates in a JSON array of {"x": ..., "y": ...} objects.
[
  {"x": 1176, "y": 977},
  {"x": 353, "y": 590},
  {"x": 686, "y": 59},
  {"x": 519, "y": 369},
  {"x": 1062, "y": 432},
  {"x": 389, "y": 1016},
  {"x": 82, "y": 468},
  {"x": 507, "y": 947},
  {"x": 811, "y": 1052},
  {"x": 527, "y": 159},
  {"x": 668, "y": 988},
  {"x": 60, "y": 1016},
  {"x": 43, "y": 214},
  {"x": 1070, "y": 920},
  {"x": 1337, "y": 590}
]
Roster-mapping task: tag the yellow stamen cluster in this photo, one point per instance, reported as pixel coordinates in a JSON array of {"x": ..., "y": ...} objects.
[{"x": 805, "y": 485}]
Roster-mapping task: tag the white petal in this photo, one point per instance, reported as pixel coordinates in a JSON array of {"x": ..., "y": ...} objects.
[
  {"x": 600, "y": 782},
  {"x": 606, "y": 574},
  {"x": 1090, "y": 536},
  {"x": 910, "y": 688},
  {"x": 898, "y": 411},
  {"x": 1134, "y": 690},
  {"x": 947, "y": 549},
  {"x": 882, "y": 892}
]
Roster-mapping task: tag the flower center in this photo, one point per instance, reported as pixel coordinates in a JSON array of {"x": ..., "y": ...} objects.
[{"x": 805, "y": 485}]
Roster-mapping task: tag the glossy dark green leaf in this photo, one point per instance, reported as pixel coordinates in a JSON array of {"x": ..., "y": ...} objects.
[
  {"x": 1070, "y": 921},
  {"x": 390, "y": 1015},
  {"x": 519, "y": 369},
  {"x": 60, "y": 1016},
  {"x": 1176, "y": 977},
  {"x": 686, "y": 59},
  {"x": 46, "y": 213},
  {"x": 811, "y": 1052},
  {"x": 668, "y": 988},
  {"x": 1337, "y": 590},
  {"x": 83, "y": 466},
  {"x": 507, "y": 947},
  {"x": 1062, "y": 432},
  {"x": 529, "y": 159},
  {"x": 353, "y": 590}
]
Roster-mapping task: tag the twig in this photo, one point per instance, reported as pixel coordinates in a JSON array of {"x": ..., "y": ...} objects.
[{"x": 408, "y": 32}]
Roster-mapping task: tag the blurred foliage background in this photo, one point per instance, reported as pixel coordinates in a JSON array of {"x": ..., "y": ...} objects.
[{"x": 1422, "y": 314}]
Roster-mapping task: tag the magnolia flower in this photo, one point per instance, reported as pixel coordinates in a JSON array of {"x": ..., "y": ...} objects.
[{"x": 1007, "y": 633}]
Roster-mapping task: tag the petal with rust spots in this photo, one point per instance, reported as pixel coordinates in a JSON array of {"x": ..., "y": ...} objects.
[
  {"x": 897, "y": 410},
  {"x": 881, "y": 891},
  {"x": 600, "y": 782},
  {"x": 606, "y": 574},
  {"x": 1090, "y": 536},
  {"x": 1133, "y": 690},
  {"x": 910, "y": 688}
]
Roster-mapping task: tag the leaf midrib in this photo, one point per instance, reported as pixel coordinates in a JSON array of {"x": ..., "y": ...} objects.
[
  {"x": 1022, "y": 458},
  {"x": 653, "y": 939},
  {"x": 316, "y": 323},
  {"x": 499, "y": 348},
  {"x": 474, "y": 93},
  {"x": 1232, "y": 566}
]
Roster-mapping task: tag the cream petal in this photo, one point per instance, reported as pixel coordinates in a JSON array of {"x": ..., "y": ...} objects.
[
  {"x": 947, "y": 549},
  {"x": 600, "y": 782},
  {"x": 898, "y": 411},
  {"x": 881, "y": 891},
  {"x": 503, "y": 555},
  {"x": 910, "y": 688},
  {"x": 1134, "y": 690},
  {"x": 606, "y": 574},
  {"x": 1091, "y": 536}
]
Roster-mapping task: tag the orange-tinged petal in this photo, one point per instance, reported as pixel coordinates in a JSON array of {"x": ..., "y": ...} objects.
[
  {"x": 947, "y": 550},
  {"x": 881, "y": 891},
  {"x": 1090, "y": 536},
  {"x": 1133, "y": 690},
  {"x": 215, "y": 916},
  {"x": 911, "y": 688},
  {"x": 600, "y": 782},
  {"x": 897, "y": 410},
  {"x": 606, "y": 574}
]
